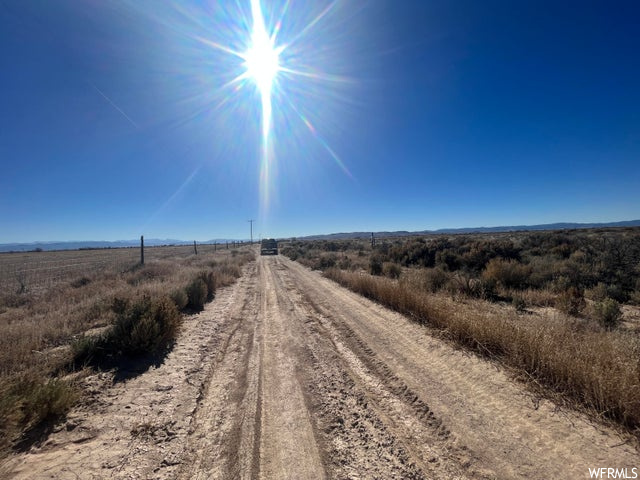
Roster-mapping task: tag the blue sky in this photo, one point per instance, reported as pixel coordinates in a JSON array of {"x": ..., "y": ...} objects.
[{"x": 117, "y": 118}]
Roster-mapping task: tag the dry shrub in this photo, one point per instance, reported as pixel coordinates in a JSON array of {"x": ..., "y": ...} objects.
[
  {"x": 228, "y": 270},
  {"x": 507, "y": 273},
  {"x": 197, "y": 294},
  {"x": 571, "y": 301},
  {"x": 532, "y": 296},
  {"x": 375, "y": 265},
  {"x": 597, "y": 293},
  {"x": 599, "y": 369},
  {"x": 607, "y": 313},
  {"x": 180, "y": 298},
  {"x": 345, "y": 263},
  {"x": 461, "y": 283},
  {"x": 434, "y": 279},
  {"x": 144, "y": 326},
  {"x": 149, "y": 271},
  {"x": 209, "y": 280},
  {"x": 29, "y": 399},
  {"x": 391, "y": 270}
]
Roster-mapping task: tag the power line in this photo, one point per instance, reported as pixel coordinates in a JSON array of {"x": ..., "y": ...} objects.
[{"x": 251, "y": 223}]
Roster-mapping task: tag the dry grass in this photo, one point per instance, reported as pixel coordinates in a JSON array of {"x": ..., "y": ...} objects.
[
  {"x": 38, "y": 327},
  {"x": 598, "y": 369},
  {"x": 533, "y": 297},
  {"x": 36, "y": 271}
]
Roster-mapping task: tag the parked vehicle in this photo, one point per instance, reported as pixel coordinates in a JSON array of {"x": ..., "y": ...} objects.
[{"x": 269, "y": 247}]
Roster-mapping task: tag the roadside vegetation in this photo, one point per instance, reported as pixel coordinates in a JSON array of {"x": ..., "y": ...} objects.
[
  {"x": 561, "y": 308},
  {"x": 50, "y": 337}
]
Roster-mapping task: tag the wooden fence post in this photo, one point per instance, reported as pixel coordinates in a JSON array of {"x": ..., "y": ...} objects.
[
  {"x": 141, "y": 249},
  {"x": 195, "y": 248}
]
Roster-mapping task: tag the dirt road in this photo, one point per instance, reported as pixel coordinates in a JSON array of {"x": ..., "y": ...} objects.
[{"x": 287, "y": 375}]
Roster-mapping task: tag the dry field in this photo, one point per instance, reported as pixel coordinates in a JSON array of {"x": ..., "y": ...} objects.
[{"x": 20, "y": 271}]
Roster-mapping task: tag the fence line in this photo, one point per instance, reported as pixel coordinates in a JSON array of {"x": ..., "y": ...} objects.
[{"x": 20, "y": 271}]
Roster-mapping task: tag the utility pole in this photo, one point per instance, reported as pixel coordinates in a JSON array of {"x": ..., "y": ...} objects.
[{"x": 251, "y": 223}]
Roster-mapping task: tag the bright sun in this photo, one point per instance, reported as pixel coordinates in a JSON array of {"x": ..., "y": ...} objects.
[
  {"x": 262, "y": 62},
  {"x": 262, "y": 58}
]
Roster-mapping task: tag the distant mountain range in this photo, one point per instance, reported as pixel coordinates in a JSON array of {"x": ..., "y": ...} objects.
[
  {"x": 513, "y": 228},
  {"x": 154, "y": 242},
  {"x": 77, "y": 245}
]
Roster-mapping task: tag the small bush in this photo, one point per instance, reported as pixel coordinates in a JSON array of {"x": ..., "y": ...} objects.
[
  {"x": 141, "y": 274},
  {"x": 618, "y": 293},
  {"x": 46, "y": 400},
  {"x": 209, "y": 280},
  {"x": 391, "y": 270},
  {"x": 86, "y": 348},
  {"x": 608, "y": 313},
  {"x": 532, "y": 296},
  {"x": 344, "y": 263},
  {"x": 597, "y": 293},
  {"x": 228, "y": 269},
  {"x": 571, "y": 301},
  {"x": 180, "y": 298},
  {"x": 326, "y": 261},
  {"x": 145, "y": 326},
  {"x": 465, "y": 284},
  {"x": 291, "y": 253},
  {"x": 197, "y": 293},
  {"x": 435, "y": 279},
  {"x": 560, "y": 284},
  {"x": 375, "y": 265},
  {"x": 507, "y": 273},
  {"x": 29, "y": 400},
  {"x": 448, "y": 260}
]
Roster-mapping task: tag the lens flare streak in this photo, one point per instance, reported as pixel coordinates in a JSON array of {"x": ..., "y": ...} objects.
[{"x": 321, "y": 140}]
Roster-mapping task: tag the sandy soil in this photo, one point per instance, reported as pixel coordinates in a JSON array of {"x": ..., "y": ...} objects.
[{"x": 287, "y": 375}]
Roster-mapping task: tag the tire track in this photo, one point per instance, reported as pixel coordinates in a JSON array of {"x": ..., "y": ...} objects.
[
  {"x": 288, "y": 447},
  {"x": 371, "y": 425},
  {"x": 504, "y": 433},
  {"x": 221, "y": 440}
]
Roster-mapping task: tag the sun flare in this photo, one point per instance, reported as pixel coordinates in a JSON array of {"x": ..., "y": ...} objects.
[
  {"x": 278, "y": 62},
  {"x": 262, "y": 58}
]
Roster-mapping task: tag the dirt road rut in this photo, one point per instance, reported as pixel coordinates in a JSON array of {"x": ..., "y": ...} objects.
[{"x": 287, "y": 375}]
